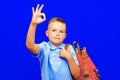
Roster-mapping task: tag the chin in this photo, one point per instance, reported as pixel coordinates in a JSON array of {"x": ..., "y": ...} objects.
[{"x": 57, "y": 43}]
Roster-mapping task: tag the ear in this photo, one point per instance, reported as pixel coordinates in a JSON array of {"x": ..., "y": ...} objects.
[{"x": 47, "y": 33}]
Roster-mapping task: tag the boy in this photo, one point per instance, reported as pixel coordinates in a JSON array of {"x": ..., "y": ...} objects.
[{"x": 57, "y": 63}]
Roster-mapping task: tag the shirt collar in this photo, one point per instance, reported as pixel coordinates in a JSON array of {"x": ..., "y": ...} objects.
[{"x": 52, "y": 47}]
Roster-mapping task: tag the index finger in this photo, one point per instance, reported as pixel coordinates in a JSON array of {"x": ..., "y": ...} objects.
[{"x": 41, "y": 7}]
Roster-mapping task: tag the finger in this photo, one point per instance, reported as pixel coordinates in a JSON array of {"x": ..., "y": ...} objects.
[
  {"x": 68, "y": 49},
  {"x": 63, "y": 49},
  {"x": 66, "y": 46},
  {"x": 60, "y": 51},
  {"x": 37, "y": 7},
  {"x": 32, "y": 10},
  {"x": 40, "y": 9},
  {"x": 44, "y": 17}
]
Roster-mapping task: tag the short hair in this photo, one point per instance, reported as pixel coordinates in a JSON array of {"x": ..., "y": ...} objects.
[{"x": 57, "y": 19}]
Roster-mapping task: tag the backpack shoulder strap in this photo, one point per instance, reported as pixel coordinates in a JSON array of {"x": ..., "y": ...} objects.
[{"x": 84, "y": 56}]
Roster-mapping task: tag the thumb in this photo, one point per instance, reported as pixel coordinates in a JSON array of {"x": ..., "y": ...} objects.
[
  {"x": 43, "y": 16},
  {"x": 66, "y": 46},
  {"x": 68, "y": 49}
]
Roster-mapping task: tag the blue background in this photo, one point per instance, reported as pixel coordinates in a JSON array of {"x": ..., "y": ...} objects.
[{"x": 94, "y": 24}]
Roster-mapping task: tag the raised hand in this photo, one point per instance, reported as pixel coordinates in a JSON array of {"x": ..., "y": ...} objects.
[{"x": 38, "y": 17}]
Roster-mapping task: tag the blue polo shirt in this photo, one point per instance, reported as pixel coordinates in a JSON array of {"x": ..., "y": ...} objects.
[{"x": 54, "y": 67}]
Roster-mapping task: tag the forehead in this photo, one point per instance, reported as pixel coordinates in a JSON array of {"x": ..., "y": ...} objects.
[{"x": 57, "y": 25}]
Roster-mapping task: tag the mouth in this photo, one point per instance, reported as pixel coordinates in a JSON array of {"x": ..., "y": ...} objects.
[{"x": 56, "y": 38}]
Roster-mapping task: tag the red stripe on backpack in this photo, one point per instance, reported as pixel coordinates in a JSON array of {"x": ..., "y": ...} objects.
[{"x": 88, "y": 70}]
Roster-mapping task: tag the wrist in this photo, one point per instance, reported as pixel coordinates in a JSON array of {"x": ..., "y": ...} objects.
[{"x": 33, "y": 24}]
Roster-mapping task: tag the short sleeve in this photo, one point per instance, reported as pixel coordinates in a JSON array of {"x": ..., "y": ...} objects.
[
  {"x": 73, "y": 54},
  {"x": 41, "y": 45}
]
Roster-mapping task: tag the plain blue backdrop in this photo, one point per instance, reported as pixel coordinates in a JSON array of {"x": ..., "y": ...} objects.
[{"x": 94, "y": 24}]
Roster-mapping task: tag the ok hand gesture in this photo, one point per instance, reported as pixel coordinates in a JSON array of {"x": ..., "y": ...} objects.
[{"x": 38, "y": 17}]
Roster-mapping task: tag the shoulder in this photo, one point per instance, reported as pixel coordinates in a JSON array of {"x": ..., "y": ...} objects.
[
  {"x": 43, "y": 45},
  {"x": 70, "y": 46},
  {"x": 71, "y": 49}
]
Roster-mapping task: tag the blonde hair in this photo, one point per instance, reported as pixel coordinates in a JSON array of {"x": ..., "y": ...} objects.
[{"x": 56, "y": 19}]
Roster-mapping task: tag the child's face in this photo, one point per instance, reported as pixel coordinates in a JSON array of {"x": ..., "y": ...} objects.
[{"x": 56, "y": 32}]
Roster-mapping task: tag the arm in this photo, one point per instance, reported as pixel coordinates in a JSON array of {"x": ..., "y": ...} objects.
[
  {"x": 74, "y": 68},
  {"x": 36, "y": 19}
]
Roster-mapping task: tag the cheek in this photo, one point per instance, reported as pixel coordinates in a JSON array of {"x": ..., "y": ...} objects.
[
  {"x": 51, "y": 34},
  {"x": 63, "y": 36}
]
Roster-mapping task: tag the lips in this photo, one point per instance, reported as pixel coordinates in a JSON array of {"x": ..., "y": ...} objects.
[{"x": 56, "y": 38}]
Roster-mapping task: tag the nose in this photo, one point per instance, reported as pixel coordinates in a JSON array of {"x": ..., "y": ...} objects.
[{"x": 57, "y": 33}]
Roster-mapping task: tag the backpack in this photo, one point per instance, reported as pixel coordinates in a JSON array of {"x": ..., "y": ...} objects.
[{"x": 88, "y": 70}]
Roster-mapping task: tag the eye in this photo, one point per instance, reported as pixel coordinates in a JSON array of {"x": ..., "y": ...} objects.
[
  {"x": 53, "y": 30},
  {"x": 62, "y": 32}
]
